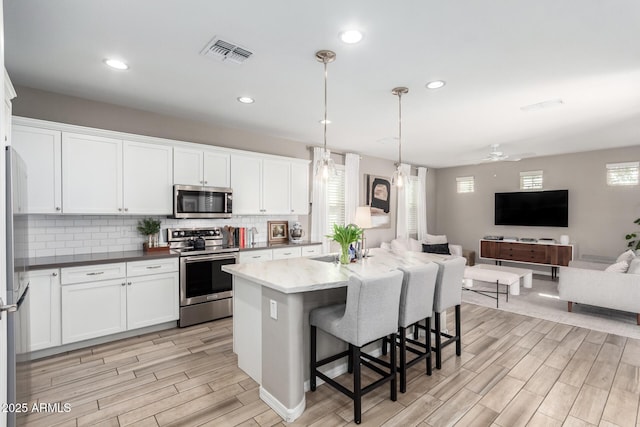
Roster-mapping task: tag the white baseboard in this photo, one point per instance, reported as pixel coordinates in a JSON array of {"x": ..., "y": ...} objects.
[{"x": 289, "y": 415}]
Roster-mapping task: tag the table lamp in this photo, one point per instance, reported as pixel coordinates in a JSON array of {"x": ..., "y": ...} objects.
[{"x": 363, "y": 220}]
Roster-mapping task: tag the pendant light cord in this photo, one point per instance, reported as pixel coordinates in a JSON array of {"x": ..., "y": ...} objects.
[
  {"x": 325, "y": 108},
  {"x": 399, "y": 129}
]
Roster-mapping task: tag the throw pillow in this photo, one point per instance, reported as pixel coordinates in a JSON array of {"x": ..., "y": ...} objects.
[
  {"x": 432, "y": 239},
  {"x": 618, "y": 267},
  {"x": 439, "y": 248},
  {"x": 399, "y": 246},
  {"x": 634, "y": 266},
  {"x": 626, "y": 256}
]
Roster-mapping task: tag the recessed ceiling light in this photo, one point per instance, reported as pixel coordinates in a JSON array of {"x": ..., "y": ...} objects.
[
  {"x": 116, "y": 63},
  {"x": 246, "y": 100},
  {"x": 436, "y": 84},
  {"x": 322, "y": 122},
  {"x": 351, "y": 36}
]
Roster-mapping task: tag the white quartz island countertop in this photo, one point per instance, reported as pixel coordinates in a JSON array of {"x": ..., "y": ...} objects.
[
  {"x": 271, "y": 305},
  {"x": 295, "y": 275}
]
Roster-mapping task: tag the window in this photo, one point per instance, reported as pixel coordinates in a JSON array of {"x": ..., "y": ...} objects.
[
  {"x": 465, "y": 184},
  {"x": 413, "y": 186},
  {"x": 622, "y": 173},
  {"x": 335, "y": 199},
  {"x": 531, "y": 180}
]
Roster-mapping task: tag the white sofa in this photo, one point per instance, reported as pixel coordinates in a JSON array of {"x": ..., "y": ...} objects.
[
  {"x": 588, "y": 283},
  {"x": 410, "y": 244}
]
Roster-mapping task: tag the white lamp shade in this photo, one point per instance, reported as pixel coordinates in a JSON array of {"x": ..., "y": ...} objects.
[{"x": 363, "y": 217}]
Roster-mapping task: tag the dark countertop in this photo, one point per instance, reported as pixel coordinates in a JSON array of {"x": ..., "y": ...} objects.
[
  {"x": 111, "y": 257},
  {"x": 265, "y": 245},
  {"x": 91, "y": 259}
]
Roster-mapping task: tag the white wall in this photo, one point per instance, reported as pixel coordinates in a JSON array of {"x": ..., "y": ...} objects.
[{"x": 599, "y": 215}]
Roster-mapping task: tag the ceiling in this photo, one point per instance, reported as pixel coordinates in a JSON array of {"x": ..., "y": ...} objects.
[{"x": 496, "y": 56}]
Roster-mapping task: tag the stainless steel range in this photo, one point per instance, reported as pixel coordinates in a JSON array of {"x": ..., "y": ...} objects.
[{"x": 205, "y": 290}]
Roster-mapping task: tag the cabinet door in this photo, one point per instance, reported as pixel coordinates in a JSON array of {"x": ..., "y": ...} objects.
[
  {"x": 91, "y": 174},
  {"x": 148, "y": 180},
  {"x": 187, "y": 166},
  {"x": 299, "y": 188},
  {"x": 276, "y": 177},
  {"x": 40, "y": 149},
  {"x": 217, "y": 169},
  {"x": 44, "y": 309},
  {"x": 91, "y": 310},
  {"x": 246, "y": 173},
  {"x": 152, "y": 299}
]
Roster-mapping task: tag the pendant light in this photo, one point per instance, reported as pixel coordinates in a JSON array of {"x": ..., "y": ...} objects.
[
  {"x": 325, "y": 167},
  {"x": 399, "y": 178}
]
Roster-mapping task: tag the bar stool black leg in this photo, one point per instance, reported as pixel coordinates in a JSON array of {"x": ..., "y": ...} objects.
[
  {"x": 438, "y": 337},
  {"x": 416, "y": 331},
  {"x": 403, "y": 359},
  {"x": 458, "y": 332},
  {"x": 394, "y": 369},
  {"x": 384, "y": 346},
  {"x": 428, "y": 344},
  {"x": 350, "y": 359},
  {"x": 312, "y": 371},
  {"x": 357, "y": 389}
]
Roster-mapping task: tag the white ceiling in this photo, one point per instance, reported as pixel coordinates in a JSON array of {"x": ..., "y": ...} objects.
[{"x": 496, "y": 56}]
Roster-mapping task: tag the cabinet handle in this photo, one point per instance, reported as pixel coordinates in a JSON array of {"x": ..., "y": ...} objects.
[
  {"x": 206, "y": 182},
  {"x": 95, "y": 273},
  {"x": 154, "y": 266},
  {"x": 123, "y": 284},
  {"x": 292, "y": 210},
  {"x": 129, "y": 283},
  {"x": 119, "y": 209},
  {"x": 126, "y": 209},
  {"x": 54, "y": 274},
  {"x": 58, "y": 208},
  {"x": 256, "y": 256},
  {"x": 287, "y": 253}
]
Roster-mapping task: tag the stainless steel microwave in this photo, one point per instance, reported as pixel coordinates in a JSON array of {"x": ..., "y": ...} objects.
[{"x": 194, "y": 201}]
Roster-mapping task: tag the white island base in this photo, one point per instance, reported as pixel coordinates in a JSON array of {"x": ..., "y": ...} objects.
[{"x": 271, "y": 305}]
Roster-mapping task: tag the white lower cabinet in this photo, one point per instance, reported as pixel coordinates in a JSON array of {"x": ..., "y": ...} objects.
[
  {"x": 152, "y": 300},
  {"x": 95, "y": 307},
  {"x": 279, "y": 253},
  {"x": 44, "y": 309}
]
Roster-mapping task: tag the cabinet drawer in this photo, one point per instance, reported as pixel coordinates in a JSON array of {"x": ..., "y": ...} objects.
[
  {"x": 155, "y": 266},
  {"x": 92, "y": 273},
  {"x": 283, "y": 253},
  {"x": 311, "y": 250},
  {"x": 256, "y": 256}
]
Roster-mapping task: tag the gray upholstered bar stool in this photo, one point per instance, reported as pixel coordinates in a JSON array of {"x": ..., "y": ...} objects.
[
  {"x": 416, "y": 304},
  {"x": 370, "y": 313},
  {"x": 448, "y": 294}
]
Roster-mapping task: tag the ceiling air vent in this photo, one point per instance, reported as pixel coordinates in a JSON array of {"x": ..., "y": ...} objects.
[{"x": 225, "y": 51}]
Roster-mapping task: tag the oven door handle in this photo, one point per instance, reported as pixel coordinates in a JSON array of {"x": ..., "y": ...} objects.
[{"x": 189, "y": 260}]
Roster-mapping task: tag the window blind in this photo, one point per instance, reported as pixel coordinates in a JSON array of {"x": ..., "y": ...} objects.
[
  {"x": 413, "y": 186},
  {"x": 335, "y": 199},
  {"x": 465, "y": 184},
  {"x": 622, "y": 173},
  {"x": 531, "y": 180}
]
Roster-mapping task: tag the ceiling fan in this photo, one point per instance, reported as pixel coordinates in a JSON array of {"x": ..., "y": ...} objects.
[{"x": 496, "y": 155}]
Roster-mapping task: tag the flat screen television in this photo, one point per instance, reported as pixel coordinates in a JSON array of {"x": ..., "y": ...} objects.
[{"x": 533, "y": 208}]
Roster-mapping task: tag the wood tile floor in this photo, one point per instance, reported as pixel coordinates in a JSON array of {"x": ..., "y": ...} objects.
[{"x": 514, "y": 371}]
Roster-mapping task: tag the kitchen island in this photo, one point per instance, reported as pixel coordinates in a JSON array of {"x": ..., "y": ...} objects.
[{"x": 271, "y": 305}]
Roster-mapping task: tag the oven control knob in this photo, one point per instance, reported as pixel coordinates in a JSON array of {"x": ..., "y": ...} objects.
[
  {"x": 182, "y": 234},
  {"x": 175, "y": 234},
  {"x": 212, "y": 233}
]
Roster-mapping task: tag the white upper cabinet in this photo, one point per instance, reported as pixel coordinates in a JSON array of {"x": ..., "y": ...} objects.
[
  {"x": 40, "y": 149},
  {"x": 299, "y": 188},
  {"x": 148, "y": 180},
  {"x": 109, "y": 176},
  {"x": 246, "y": 182},
  {"x": 91, "y": 174},
  {"x": 198, "y": 167},
  {"x": 269, "y": 186},
  {"x": 276, "y": 178}
]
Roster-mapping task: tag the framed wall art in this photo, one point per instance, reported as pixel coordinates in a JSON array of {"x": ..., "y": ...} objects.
[{"x": 379, "y": 198}]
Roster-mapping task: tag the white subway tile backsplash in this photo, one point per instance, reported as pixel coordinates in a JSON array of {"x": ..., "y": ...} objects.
[{"x": 52, "y": 235}]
